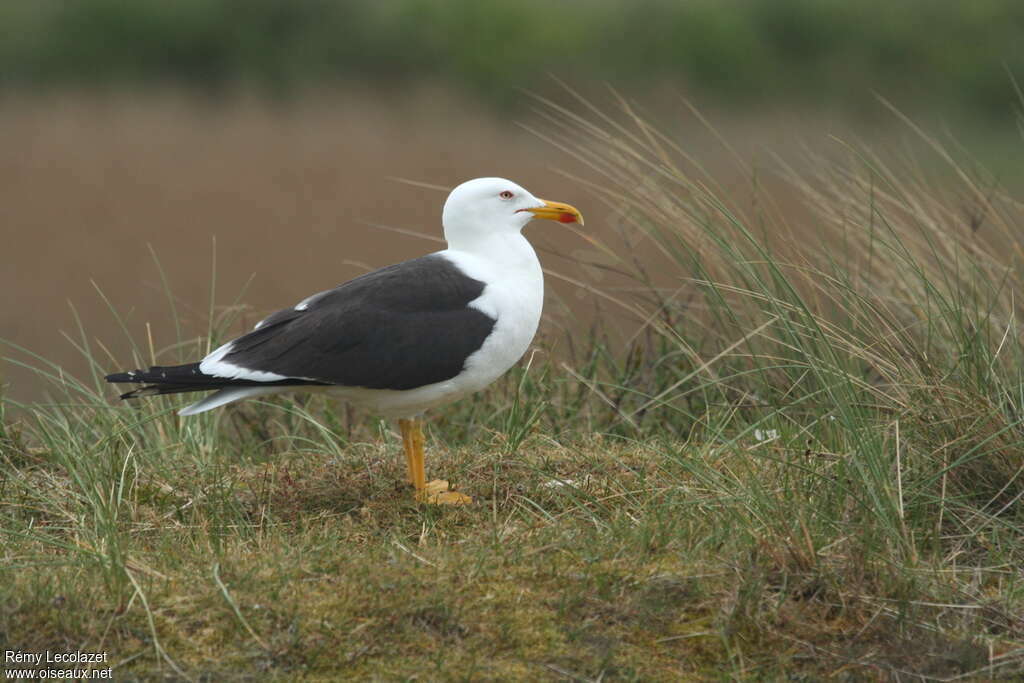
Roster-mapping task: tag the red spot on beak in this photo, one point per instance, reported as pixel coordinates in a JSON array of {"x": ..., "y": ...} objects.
[{"x": 566, "y": 218}]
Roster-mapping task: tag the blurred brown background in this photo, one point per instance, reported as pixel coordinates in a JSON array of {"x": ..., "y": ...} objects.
[{"x": 280, "y": 131}]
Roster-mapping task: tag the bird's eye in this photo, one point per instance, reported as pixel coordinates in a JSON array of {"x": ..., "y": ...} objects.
[{"x": 506, "y": 194}]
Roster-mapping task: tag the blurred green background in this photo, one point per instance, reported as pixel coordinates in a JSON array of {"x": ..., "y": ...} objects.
[{"x": 922, "y": 53}]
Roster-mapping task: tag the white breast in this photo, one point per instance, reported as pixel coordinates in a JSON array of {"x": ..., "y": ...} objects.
[{"x": 513, "y": 295}]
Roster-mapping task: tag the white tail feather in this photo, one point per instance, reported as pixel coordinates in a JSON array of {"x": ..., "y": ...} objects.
[{"x": 219, "y": 398}]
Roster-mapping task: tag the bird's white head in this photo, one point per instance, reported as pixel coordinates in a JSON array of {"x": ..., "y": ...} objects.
[{"x": 485, "y": 207}]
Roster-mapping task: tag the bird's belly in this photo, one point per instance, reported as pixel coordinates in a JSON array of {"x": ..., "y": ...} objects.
[{"x": 399, "y": 403}]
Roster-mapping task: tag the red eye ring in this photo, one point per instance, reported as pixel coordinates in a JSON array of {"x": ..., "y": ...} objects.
[{"x": 506, "y": 194}]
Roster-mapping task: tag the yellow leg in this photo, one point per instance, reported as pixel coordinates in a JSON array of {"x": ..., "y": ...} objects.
[
  {"x": 436, "y": 491},
  {"x": 412, "y": 441},
  {"x": 407, "y": 448}
]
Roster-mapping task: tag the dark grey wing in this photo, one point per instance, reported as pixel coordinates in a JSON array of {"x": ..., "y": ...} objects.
[{"x": 400, "y": 327}]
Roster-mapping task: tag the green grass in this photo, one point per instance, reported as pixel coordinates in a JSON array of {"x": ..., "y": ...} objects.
[{"x": 806, "y": 462}]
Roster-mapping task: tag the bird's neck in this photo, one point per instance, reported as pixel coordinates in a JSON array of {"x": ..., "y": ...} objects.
[{"x": 506, "y": 250}]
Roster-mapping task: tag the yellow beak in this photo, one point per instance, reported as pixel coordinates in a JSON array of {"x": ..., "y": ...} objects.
[{"x": 557, "y": 211}]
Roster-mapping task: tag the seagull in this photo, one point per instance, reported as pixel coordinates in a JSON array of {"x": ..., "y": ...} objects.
[{"x": 399, "y": 340}]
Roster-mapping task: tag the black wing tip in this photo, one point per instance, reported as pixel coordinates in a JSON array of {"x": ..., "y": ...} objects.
[
  {"x": 160, "y": 390},
  {"x": 124, "y": 377},
  {"x": 159, "y": 374},
  {"x": 137, "y": 393},
  {"x": 181, "y": 379}
]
